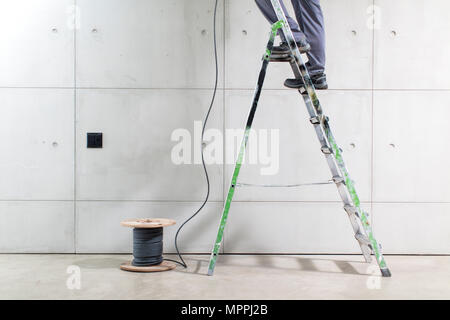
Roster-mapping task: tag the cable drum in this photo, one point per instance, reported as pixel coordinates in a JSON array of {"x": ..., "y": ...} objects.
[{"x": 148, "y": 245}]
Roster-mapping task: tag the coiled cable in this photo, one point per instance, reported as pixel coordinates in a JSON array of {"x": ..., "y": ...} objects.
[{"x": 147, "y": 247}]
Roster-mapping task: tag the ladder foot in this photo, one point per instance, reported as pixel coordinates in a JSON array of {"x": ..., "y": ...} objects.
[
  {"x": 210, "y": 272},
  {"x": 386, "y": 273}
]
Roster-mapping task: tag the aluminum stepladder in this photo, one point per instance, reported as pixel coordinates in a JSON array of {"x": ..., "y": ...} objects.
[{"x": 333, "y": 154}]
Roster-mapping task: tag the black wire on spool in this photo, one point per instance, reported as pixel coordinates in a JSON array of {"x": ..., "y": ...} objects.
[{"x": 147, "y": 247}]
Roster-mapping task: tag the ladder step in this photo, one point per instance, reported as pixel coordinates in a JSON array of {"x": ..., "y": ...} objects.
[
  {"x": 319, "y": 119},
  {"x": 367, "y": 253},
  {"x": 351, "y": 210},
  {"x": 284, "y": 57},
  {"x": 338, "y": 180},
  {"x": 362, "y": 239},
  {"x": 326, "y": 150}
]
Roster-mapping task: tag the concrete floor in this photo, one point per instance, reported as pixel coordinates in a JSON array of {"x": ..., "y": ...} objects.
[{"x": 236, "y": 277}]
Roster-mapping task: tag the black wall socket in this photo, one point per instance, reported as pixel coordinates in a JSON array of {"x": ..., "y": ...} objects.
[{"x": 95, "y": 140}]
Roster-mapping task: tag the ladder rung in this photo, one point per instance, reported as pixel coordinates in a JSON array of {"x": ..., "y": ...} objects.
[
  {"x": 287, "y": 57},
  {"x": 350, "y": 210},
  {"x": 314, "y": 120},
  {"x": 338, "y": 180},
  {"x": 326, "y": 150},
  {"x": 367, "y": 251},
  {"x": 319, "y": 119},
  {"x": 364, "y": 240}
]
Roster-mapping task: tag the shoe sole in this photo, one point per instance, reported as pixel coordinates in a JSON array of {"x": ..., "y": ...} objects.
[
  {"x": 301, "y": 49},
  {"x": 288, "y": 52},
  {"x": 325, "y": 87}
]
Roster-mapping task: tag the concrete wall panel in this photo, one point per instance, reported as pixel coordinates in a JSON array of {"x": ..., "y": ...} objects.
[
  {"x": 411, "y": 44},
  {"x": 289, "y": 228},
  {"x": 37, "y": 137},
  {"x": 135, "y": 162},
  {"x": 411, "y": 147},
  {"x": 349, "y": 45},
  {"x": 37, "y": 227},
  {"x": 300, "y": 159},
  {"x": 147, "y": 44},
  {"x": 37, "y": 46},
  {"x": 99, "y": 229},
  {"x": 413, "y": 228}
]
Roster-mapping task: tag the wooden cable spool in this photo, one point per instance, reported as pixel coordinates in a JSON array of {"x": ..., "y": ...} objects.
[{"x": 148, "y": 224}]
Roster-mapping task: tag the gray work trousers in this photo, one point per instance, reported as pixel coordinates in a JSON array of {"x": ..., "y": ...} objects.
[{"x": 310, "y": 26}]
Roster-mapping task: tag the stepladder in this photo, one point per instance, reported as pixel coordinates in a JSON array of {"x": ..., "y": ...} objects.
[{"x": 359, "y": 219}]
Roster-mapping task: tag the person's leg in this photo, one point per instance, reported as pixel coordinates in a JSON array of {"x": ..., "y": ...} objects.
[
  {"x": 310, "y": 17},
  {"x": 266, "y": 8}
]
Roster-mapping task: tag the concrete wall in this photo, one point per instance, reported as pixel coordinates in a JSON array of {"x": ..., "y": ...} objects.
[{"x": 138, "y": 69}]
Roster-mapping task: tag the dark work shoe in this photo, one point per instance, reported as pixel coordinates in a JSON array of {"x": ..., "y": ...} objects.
[
  {"x": 283, "y": 48},
  {"x": 319, "y": 80}
]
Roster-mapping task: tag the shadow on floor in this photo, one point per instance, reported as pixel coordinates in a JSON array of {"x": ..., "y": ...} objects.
[
  {"x": 196, "y": 266},
  {"x": 100, "y": 262},
  {"x": 200, "y": 265}
]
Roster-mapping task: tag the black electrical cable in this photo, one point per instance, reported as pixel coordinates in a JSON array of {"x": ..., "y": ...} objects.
[
  {"x": 147, "y": 246},
  {"x": 183, "y": 263}
]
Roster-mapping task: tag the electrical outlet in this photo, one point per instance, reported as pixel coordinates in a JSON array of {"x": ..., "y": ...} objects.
[{"x": 95, "y": 140}]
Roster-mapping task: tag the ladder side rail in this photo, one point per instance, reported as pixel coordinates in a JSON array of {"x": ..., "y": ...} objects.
[
  {"x": 336, "y": 172},
  {"x": 240, "y": 157},
  {"x": 363, "y": 217},
  {"x": 324, "y": 133}
]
